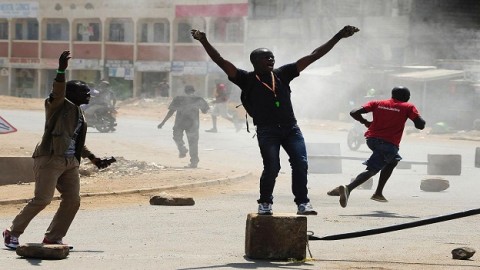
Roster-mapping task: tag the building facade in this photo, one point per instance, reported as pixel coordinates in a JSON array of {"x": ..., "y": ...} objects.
[{"x": 135, "y": 45}]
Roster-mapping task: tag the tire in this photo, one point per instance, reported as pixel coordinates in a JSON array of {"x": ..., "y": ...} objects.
[
  {"x": 354, "y": 140},
  {"x": 106, "y": 123}
]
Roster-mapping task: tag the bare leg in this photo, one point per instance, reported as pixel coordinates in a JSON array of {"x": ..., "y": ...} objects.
[
  {"x": 360, "y": 179},
  {"x": 385, "y": 174}
]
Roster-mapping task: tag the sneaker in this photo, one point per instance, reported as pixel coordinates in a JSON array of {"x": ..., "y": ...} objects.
[
  {"x": 378, "y": 198},
  {"x": 306, "y": 209},
  {"x": 59, "y": 242},
  {"x": 212, "y": 130},
  {"x": 183, "y": 153},
  {"x": 192, "y": 165},
  {"x": 265, "y": 209},
  {"x": 344, "y": 194},
  {"x": 333, "y": 192},
  {"x": 9, "y": 240}
]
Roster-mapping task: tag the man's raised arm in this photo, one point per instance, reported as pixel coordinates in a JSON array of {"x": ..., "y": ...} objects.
[
  {"x": 305, "y": 61},
  {"x": 225, "y": 65}
]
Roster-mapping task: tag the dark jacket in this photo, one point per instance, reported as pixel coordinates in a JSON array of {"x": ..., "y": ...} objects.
[{"x": 61, "y": 120}]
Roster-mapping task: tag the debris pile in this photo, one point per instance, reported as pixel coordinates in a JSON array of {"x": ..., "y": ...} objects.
[{"x": 122, "y": 167}]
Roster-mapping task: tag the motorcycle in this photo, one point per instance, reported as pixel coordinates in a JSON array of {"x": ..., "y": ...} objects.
[
  {"x": 103, "y": 118},
  {"x": 355, "y": 137}
]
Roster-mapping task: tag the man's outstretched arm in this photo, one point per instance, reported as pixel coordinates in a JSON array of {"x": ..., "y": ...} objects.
[
  {"x": 357, "y": 115},
  {"x": 419, "y": 123},
  {"x": 224, "y": 64},
  {"x": 169, "y": 114},
  {"x": 305, "y": 61}
]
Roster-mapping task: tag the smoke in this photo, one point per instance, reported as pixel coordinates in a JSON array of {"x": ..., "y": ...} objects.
[{"x": 394, "y": 38}]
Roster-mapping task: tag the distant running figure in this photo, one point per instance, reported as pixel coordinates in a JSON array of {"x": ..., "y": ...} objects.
[{"x": 186, "y": 120}]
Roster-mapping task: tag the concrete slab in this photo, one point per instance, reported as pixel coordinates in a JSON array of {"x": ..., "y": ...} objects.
[{"x": 16, "y": 169}]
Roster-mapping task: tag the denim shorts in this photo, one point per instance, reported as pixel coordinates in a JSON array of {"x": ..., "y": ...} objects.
[{"x": 383, "y": 153}]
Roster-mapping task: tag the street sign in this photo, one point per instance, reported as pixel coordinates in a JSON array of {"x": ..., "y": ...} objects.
[{"x": 6, "y": 127}]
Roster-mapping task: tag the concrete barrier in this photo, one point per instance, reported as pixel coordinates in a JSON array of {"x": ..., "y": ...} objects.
[
  {"x": 16, "y": 169},
  {"x": 444, "y": 164},
  {"x": 316, "y": 161},
  {"x": 276, "y": 237},
  {"x": 477, "y": 157}
]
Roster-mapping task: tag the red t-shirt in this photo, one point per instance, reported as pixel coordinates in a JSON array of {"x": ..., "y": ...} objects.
[{"x": 389, "y": 117}]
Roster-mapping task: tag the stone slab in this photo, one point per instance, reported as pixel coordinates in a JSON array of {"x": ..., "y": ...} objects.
[
  {"x": 444, "y": 164},
  {"x": 477, "y": 157},
  {"x": 434, "y": 184},
  {"x": 16, "y": 169},
  {"x": 171, "y": 200},
  {"x": 42, "y": 251},
  {"x": 276, "y": 237}
]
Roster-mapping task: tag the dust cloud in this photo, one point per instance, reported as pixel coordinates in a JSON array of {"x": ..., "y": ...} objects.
[{"x": 395, "y": 38}]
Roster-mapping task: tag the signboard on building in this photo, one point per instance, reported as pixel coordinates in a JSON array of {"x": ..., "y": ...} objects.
[
  {"x": 195, "y": 68},
  {"x": 157, "y": 66},
  {"x": 3, "y": 62},
  {"x": 86, "y": 64},
  {"x": 18, "y": 62},
  {"x": 19, "y": 10},
  {"x": 177, "y": 68},
  {"x": 120, "y": 72},
  {"x": 212, "y": 67}
]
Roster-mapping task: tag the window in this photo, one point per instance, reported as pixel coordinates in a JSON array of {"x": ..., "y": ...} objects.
[
  {"x": 184, "y": 32},
  {"x": 26, "y": 29},
  {"x": 88, "y": 31},
  {"x": 263, "y": 9},
  {"x": 228, "y": 30},
  {"x": 117, "y": 32},
  {"x": 120, "y": 30},
  {"x": 57, "y": 30},
  {"x": 157, "y": 32},
  {"x": 160, "y": 32},
  {"x": 3, "y": 30}
]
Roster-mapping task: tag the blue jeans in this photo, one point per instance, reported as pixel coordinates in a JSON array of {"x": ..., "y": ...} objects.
[
  {"x": 270, "y": 138},
  {"x": 383, "y": 154}
]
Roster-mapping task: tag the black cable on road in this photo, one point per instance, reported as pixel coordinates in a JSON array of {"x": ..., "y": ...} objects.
[{"x": 397, "y": 227}]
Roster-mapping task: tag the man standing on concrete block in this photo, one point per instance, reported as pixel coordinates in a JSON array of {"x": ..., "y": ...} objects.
[
  {"x": 383, "y": 137},
  {"x": 57, "y": 158},
  {"x": 266, "y": 96}
]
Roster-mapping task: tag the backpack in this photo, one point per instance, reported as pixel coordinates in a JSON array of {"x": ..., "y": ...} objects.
[{"x": 244, "y": 98}]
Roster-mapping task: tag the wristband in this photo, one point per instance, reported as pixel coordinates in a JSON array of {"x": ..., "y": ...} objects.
[{"x": 60, "y": 71}]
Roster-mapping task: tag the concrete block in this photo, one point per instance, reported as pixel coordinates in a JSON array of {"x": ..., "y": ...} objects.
[
  {"x": 477, "y": 157},
  {"x": 324, "y": 165},
  {"x": 16, "y": 169},
  {"x": 171, "y": 200},
  {"x": 436, "y": 184},
  {"x": 42, "y": 251},
  {"x": 444, "y": 164},
  {"x": 276, "y": 237}
]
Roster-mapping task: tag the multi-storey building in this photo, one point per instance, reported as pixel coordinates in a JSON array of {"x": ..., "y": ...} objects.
[{"x": 133, "y": 44}]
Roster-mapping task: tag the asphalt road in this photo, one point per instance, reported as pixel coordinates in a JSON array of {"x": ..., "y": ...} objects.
[{"x": 211, "y": 234}]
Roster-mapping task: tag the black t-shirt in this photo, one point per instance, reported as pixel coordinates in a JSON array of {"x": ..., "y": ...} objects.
[
  {"x": 268, "y": 109},
  {"x": 187, "y": 108}
]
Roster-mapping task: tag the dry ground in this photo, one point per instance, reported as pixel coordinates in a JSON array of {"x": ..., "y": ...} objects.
[{"x": 124, "y": 175}]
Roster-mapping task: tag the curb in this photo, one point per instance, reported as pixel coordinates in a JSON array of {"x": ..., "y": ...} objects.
[{"x": 143, "y": 190}]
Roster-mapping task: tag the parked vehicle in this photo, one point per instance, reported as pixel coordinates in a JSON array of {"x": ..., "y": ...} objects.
[
  {"x": 103, "y": 118},
  {"x": 355, "y": 137}
]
